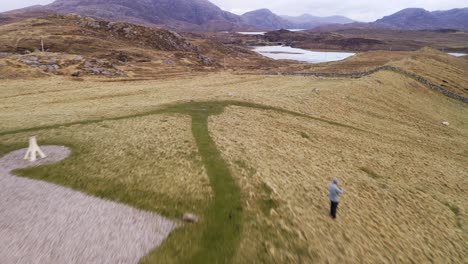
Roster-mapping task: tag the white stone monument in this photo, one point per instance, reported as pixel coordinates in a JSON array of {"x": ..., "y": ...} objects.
[{"x": 33, "y": 150}]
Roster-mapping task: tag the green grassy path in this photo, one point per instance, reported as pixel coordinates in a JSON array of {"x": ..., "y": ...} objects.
[
  {"x": 224, "y": 217},
  {"x": 216, "y": 237}
]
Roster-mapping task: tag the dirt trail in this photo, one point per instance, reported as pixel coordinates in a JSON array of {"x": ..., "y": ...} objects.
[{"x": 45, "y": 223}]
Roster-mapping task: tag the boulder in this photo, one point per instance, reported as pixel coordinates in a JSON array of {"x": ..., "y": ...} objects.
[
  {"x": 52, "y": 68},
  {"x": 78, "y": 58},
  {"x": 206, "y": 60}
]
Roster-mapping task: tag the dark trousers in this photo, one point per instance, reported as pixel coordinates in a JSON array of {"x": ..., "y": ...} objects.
[{"x": 333, "y": 207}]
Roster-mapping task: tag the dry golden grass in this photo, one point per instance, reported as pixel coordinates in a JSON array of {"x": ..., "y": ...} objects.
[
  {"x": 444, "y": 70},
  {"x": 405, "y": 198},
  {"x": 152, "y": 156},
  {"x": 405, "y": 174},
  {"x": 363, "y": 61},
  {"x": 12, "y": 69},
  {"x": 57, "y": 100}
]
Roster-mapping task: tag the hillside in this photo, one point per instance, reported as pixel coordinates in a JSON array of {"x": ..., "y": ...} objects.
[
  {"x": 183, "y": 15},
  {"x": 371, "y": 39},
  {"x": 189, "y": 147},
  {"x": 76, "y": 45},
  {"x": 252, "y": 156}
]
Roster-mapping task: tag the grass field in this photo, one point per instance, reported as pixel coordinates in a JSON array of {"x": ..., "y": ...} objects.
[{"x": 253, "y": 155}]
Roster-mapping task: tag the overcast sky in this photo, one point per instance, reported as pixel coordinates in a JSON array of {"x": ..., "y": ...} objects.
[{"x": 361, "y": 10}]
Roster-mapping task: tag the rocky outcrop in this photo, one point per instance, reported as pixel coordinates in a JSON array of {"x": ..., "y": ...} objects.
[
  {"x": 47, "y": 64},
  {"x": 54, "y": 63},
  {"x": 155, "y": 38},
  {"x": 101, "y": 67}
]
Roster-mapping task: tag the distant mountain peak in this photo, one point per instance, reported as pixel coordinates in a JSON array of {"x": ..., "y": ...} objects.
[
  {"x": 265, "y": 20},
  {"x": 419, "y": 18},
  {"x": 308, "y": 21},
  {"x": 413, "y": 9},
  {"x": 202, "y": 15},
  {"x": 189, "y": 15},
  {"x": 261, "y": 11}
]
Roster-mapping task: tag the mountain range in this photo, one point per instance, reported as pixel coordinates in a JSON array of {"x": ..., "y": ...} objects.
[
  {"x": 267, "y": 20},
  {"x": 418, "y": 19},
  {"x": 309, "y": 21},
  {"x": 202, "y": 15},
  {"x": 180, "y": 15}
]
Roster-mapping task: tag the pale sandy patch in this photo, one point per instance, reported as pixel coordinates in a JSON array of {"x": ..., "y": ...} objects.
[{"x": 45, "y": 223}]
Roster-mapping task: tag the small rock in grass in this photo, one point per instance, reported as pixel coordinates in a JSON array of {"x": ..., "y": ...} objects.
[
  {"x": 77, "y": 74},
  {"x": 190, "y": 218},
  {"x": 169, "y": 62},
  {"x": 445, "y": 123}
]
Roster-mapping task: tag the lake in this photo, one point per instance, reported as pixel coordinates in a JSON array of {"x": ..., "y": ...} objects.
[
  {"x": 263, "y": 32},
  {"x": 251, "y": 33},
  {"x": 457, "y": 54},
  {"x": 289, "y": 53}
]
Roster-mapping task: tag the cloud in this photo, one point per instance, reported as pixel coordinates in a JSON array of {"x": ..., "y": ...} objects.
[
  {"x": 6, "y": 5},
  {"x": 361, "y": 10}
]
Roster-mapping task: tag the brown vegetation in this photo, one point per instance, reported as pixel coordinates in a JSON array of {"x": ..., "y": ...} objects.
[
  {"x": 355, "y": 39},
  {"x": 403, "y": 171},
  {"x": 111, "y": 49}
]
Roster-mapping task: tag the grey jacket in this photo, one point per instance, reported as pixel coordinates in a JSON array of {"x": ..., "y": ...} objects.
[{"x": 335, "y": 193}]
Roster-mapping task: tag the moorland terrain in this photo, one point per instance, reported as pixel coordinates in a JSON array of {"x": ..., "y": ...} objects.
[
  {"x": 252, "y": 155},
  {"x": 354, "y": 39},
  {"x": 192, "y": 122}
]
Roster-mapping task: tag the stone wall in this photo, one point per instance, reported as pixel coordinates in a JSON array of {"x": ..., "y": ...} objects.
[
  {"x": 426, "y": 82},
  {"x": 381, "y": 68}
]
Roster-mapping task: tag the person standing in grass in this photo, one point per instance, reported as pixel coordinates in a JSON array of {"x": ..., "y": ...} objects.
[{"x": 335, "y": 193}]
